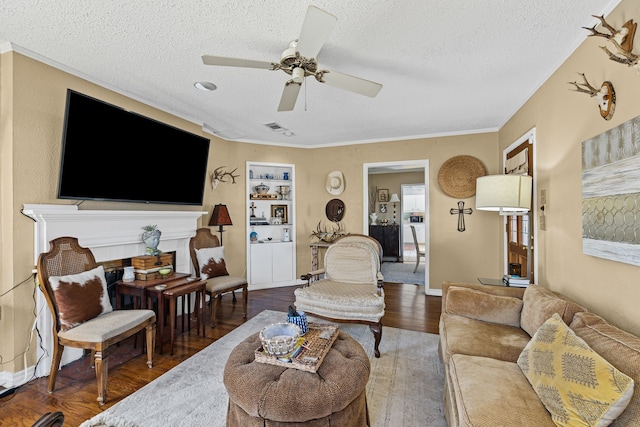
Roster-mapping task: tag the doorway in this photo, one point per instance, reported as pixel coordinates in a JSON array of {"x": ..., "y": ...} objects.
[{"x": 421, "y": 166}]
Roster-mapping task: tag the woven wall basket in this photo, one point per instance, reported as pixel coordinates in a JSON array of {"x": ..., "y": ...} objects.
[{"x": 457, "y": 176}]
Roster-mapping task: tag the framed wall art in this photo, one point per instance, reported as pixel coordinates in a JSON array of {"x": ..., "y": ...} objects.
[
  {"x": 383, "y": 208},
  {"x": 281, "y": 213},
  {"x": 610, "y": 195},
  {"x": 383, "y": 194}
]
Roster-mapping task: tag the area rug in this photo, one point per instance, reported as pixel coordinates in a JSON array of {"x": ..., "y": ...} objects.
[
  {"x": 404, "y": 388},
  {"x": 402, "y": 272}
]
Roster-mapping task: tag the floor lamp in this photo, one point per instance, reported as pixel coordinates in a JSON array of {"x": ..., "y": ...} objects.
[
  {"x": 220, "y": 217},
  {"x": 394, "y": 199},
  {"x": 507, "y": 194}
]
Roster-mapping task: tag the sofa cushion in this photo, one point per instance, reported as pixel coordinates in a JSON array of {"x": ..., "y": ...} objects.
[
  {"x": 80, "y": 297},
  {"x": 212, "y": 263},
  {"x": 490, "y": 393},
  {"x": 619, "y": 348},
  {"x": 459, "y": 334},
  {"x": 576, "y": 385},
  {"x": 539, "y": 304},
  {"x": 480, "y": 305}
]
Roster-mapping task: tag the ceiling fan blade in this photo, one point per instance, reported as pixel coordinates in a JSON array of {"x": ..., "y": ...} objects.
[
  {"x": 289, "y": 96},
  {"x": 316, "y": 27},
  {"x": 236, "y": 62},
  {"x": 350, "y": 83}
]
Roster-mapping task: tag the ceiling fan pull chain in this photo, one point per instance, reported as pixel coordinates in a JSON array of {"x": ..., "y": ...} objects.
[{"x": 305, "y": 94}]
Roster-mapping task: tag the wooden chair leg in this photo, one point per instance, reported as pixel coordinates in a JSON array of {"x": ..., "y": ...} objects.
[
  {"x": 245, "y": 297},
  {"x": 151, "y": 336},
  {"x": 417, "y": 263},
  {"x": 376, "y": 328},
  {"x": 234, "y": 296},
  {"x": 102, "y": 369},
  {"x": 55, "y": 366},
  {"x": 215, "y": 302}
]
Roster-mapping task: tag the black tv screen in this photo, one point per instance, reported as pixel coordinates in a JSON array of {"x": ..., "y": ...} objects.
[{"x": 109, "y": 153}]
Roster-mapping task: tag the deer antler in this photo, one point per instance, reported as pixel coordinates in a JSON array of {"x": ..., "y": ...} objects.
[
  {"x": 218, "y": 176},
  {"x": 585, "y": 87},
  {"x": 622, "y": 39}
]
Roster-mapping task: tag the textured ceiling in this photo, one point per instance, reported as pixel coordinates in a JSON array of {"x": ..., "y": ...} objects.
[{"x": 447, "y": 67}]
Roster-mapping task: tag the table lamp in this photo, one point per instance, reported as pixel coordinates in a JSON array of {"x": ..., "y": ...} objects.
[{"x": 220, "y": 217}]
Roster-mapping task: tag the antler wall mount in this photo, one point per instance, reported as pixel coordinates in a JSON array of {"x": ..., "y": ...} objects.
[
  {"x": 605, "y": 96},
  {"x": 622, "y": 39},
  {"x": 219, "y": 175}
]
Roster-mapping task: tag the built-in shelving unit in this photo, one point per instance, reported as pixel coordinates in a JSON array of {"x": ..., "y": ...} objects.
[{"x": 270, "y": 221}]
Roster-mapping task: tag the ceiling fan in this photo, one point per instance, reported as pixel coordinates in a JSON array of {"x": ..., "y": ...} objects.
[{"x": 299, "y": 61}]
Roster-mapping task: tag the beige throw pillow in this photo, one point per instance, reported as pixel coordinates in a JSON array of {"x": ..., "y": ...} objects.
[
  {"x": 479, "y": 305},
  {"x": 80, "y": 297},
  {"x": 212, "y": 263},
  {"x": 576, "y": 385}
]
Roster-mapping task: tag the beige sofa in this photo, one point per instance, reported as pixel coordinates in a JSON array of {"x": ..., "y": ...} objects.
[{"x": 483, "y": 331}]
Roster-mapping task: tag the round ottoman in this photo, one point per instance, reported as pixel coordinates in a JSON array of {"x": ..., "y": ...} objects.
[{"x": 267, "y": 395}]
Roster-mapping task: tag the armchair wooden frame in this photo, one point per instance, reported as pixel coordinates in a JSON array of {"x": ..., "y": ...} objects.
[
  {"x": 67, "y": 257},
  {"x": 216, "y": 286}
]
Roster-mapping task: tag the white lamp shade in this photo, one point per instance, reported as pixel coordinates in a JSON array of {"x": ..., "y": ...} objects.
[
  {"x": 504, "y": 193},
  {"x": 394, "y": 198}
]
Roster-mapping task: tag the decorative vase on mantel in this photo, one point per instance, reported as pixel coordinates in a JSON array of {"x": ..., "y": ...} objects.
[
  {"x": 151, "y": 238},
  {"x": 374, "y": 218}
]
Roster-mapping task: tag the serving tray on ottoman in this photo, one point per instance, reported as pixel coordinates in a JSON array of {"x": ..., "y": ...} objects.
[{"x": 315, "y": 347}]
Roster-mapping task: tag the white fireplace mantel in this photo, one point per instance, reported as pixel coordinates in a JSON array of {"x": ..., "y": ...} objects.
[{"x": 110, "y": 235}]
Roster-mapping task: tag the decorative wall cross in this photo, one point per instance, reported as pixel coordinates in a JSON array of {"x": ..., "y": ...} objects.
[{"x": 461, "y": 211}]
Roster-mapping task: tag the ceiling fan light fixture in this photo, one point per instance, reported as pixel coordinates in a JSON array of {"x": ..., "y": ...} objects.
[
  {"x": 205, "y": 86},
  {"x": 298, "y": 75}
]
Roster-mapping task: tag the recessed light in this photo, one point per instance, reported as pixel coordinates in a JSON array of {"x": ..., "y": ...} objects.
[{"x": 206, "y": 86}]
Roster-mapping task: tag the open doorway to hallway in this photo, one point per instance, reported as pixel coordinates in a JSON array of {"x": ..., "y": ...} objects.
[{"x": 389, "y": 177}]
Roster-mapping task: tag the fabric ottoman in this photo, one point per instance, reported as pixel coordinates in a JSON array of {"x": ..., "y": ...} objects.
[{"x": 267, "y": 395}]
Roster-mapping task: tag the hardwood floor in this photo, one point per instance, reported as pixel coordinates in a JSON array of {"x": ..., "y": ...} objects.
[{"x": 406, "y": 307}]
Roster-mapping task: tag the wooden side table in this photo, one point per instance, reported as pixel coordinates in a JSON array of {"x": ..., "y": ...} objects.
[
  {"x": 199, "y": 287},
  {"x": 138, "y": 289},
  {"x": 315, "y": 250}
]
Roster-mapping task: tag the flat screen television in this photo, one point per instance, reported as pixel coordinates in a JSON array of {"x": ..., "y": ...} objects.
[{"x": 109, "y": 153}]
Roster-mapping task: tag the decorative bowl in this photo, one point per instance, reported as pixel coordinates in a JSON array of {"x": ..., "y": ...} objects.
[
  {"x": 164, "y": 272},
  {"x": 262, "y": 188},
  {"x": 280, "y": 339}
]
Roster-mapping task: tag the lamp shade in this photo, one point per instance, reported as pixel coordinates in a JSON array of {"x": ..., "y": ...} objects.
[
  {"x": 504, "y": 193},
  {"x": 220, "y": 216},
  {"x": 394, "y": 198}
]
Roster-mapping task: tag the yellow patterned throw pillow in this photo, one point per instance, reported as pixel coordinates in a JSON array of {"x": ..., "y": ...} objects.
[{"x": 576, "y": 385}]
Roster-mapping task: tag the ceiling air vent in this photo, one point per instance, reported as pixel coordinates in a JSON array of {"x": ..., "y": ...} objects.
[{"x": 275, "y": 127}]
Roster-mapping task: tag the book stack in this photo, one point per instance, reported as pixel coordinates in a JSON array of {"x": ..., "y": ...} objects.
[
  {"x": 254, "y": 220},
  {"x": 517, "y": 281}
]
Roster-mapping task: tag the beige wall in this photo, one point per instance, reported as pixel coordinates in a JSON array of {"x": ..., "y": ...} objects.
[
  {"x": 563, "y": 120},
  {"x": 34, "y": 110}
]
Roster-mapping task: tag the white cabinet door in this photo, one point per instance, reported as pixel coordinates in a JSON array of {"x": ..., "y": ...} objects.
[
  {"x": 282, "y": 266},
  {"x": 261, "y": 264}
]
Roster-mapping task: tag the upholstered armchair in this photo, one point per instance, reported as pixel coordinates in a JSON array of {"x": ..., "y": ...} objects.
[{"x": 351, "y": 287}]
